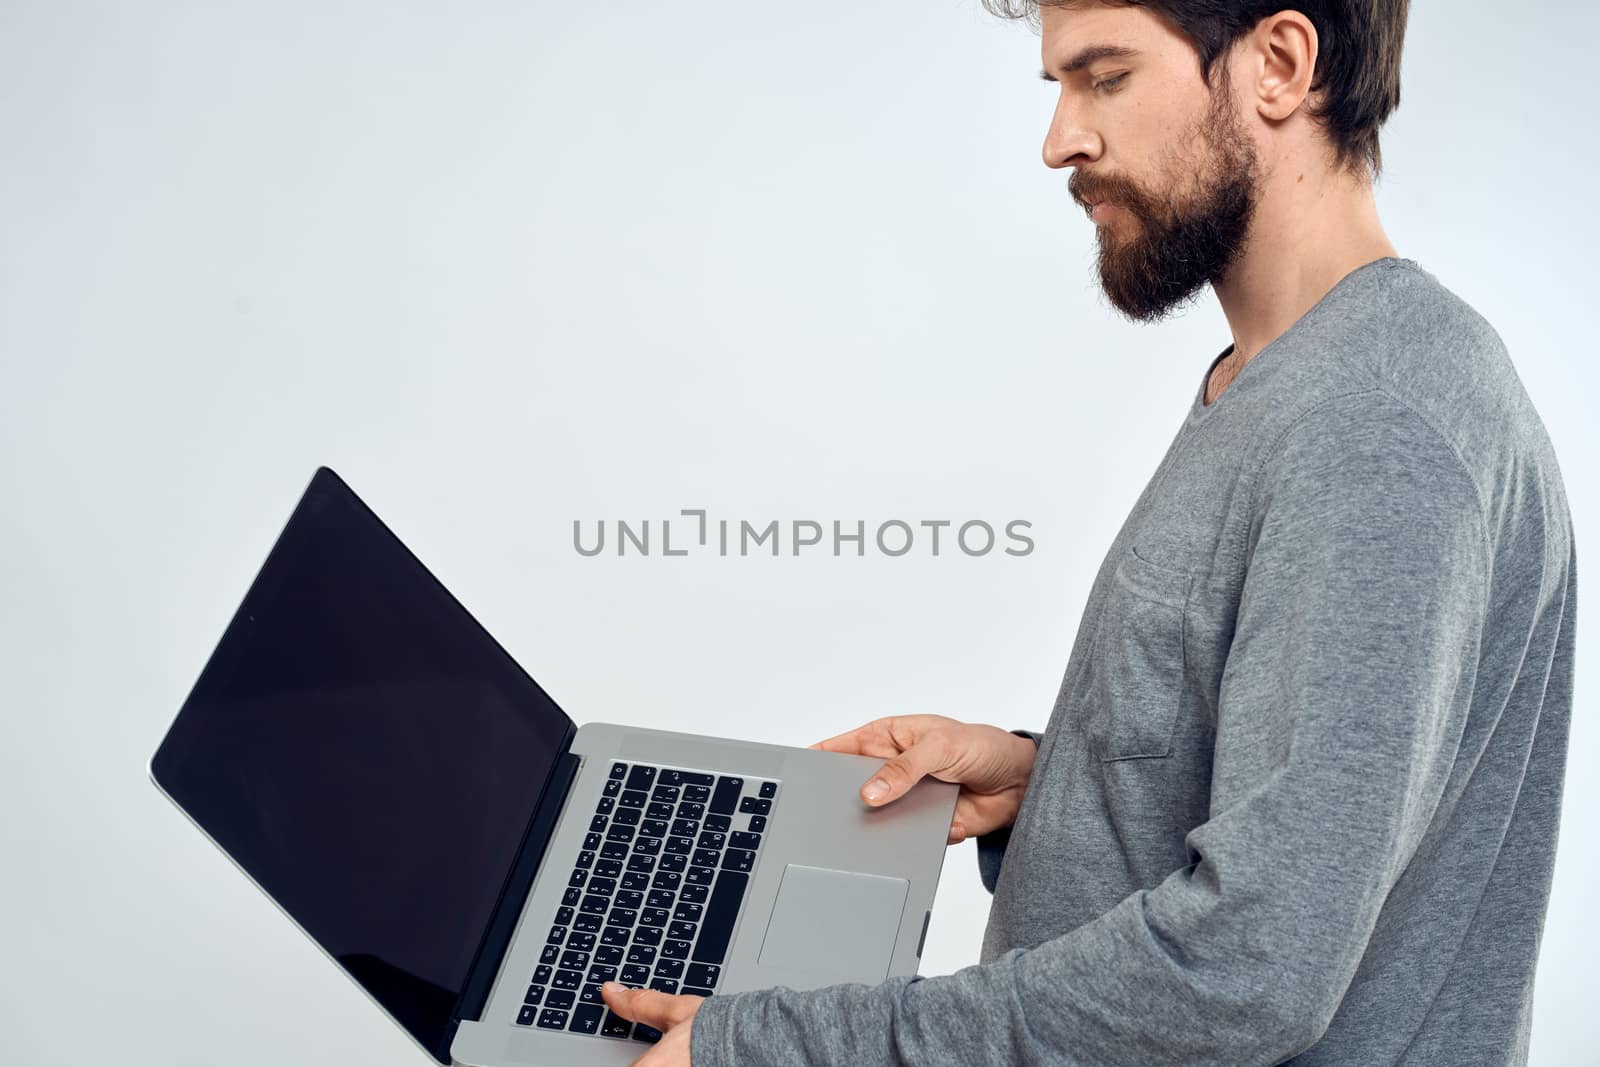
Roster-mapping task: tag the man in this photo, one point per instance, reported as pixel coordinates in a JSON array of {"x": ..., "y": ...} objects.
[{"x": 1298, "y": 798}]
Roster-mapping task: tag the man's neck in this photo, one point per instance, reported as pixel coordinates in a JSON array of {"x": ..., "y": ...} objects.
[{"x": 1304, "y": 238}]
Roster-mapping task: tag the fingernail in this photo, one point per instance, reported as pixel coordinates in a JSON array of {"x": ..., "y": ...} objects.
[
  {"x": 615, "y": 987},
  {"x": 875, "y": 789}
]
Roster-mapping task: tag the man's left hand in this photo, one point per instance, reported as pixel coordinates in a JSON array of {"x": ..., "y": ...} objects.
[{"x": 672, "y": 1015}]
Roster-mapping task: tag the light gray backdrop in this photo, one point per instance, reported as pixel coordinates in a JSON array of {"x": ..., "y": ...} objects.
[{"x": 505, "y": 265}]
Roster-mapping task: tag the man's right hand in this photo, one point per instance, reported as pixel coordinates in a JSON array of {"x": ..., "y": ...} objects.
[{"x": 990, "y": 764}]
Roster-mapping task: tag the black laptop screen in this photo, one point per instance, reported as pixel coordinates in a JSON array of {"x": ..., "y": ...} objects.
[{"x": 371, "y": 757}]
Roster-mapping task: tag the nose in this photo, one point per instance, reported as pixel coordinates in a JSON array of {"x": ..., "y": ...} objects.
[{"x": 1068, "y": 142}]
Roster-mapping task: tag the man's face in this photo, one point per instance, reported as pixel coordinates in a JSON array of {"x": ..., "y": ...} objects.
[{"x": 1179, "y": 169}]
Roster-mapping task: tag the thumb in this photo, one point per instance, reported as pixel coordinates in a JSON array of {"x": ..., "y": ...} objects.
[{"x": 894, "y": 778}]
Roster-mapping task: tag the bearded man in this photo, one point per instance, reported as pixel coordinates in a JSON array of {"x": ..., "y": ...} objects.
[{"x": 1298, "y": 798}]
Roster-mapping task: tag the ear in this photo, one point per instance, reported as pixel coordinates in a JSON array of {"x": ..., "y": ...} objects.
[{"x": 1281, "y": 57}]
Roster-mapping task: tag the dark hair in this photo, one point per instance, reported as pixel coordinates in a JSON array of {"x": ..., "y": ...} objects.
[{"x": 1358, "y": 56}]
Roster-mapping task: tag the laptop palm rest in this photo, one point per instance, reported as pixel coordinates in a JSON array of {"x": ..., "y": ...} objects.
[{"x": 840, "y": 923}]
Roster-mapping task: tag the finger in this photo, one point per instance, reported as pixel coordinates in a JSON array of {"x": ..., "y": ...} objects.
[
  {"x": 851, "y": 740},
  {"x": 648, "y": 1006},
  {"x": 899, "y": 774}
]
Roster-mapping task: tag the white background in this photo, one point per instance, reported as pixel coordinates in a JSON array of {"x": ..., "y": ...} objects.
[{"x": 509, "y": 265}]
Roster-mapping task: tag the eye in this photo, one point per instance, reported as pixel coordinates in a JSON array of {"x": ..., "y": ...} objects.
[{"x": 1109, "y": 84}]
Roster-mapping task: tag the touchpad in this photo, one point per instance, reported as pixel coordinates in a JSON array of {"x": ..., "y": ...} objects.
[{"x": 837, "y": 922}]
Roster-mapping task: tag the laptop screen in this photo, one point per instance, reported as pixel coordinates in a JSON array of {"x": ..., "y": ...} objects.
[{"x": 367, "y": 753}]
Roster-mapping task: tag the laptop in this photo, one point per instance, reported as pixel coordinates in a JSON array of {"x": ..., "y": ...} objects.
[{"x": 379, "y": 766}]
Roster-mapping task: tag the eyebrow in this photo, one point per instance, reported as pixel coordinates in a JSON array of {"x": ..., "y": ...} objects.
[{"x": 1089, "y": 55}]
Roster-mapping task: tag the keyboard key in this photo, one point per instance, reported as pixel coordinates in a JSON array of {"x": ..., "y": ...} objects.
[
  {"x": 673, "y": 863},
  {"x": 559, "y": 998},
  {"x": 700, "y": 875},
  {"x": 640, "y": 862},
  {"x": 558, "y": 934},
  {"x": 634, "y": 974},
  {"x": 607, "y": 956},
  {"x": 602, "y": 887},
  {"x": 533, "y": 994},
  {"x": 658, "y": 810},
  {"x": 541, "y": 974},
  {"x": 604, "y": 807},
  {"x": 682, "y": 931},
  {"x": 597, "y": 824},
  {"x": 705, "y": 857},
  {"x": 665, "y": 985},
  {"x": 602, "y": 973},
  {"x": 641, "y": 777},
  {"x": 576, "y": 961},
  {"x": 615, "y": 935},
  {"x": 679, "y": 846},
  {"x": 622, "y": 917},
  {"x": 619, "y": 770},
  {"x": 698, "y": 794},
  {"x": 553, "y": 1020},
  {"x": 691, "y": 812},
  {"x": 641, "y": 1032},
  {"x": 696, "y": 778},
  {"x": 611, "y": 868},
  {"x": 578, "y": 877},
  {"x": 745, "y": 841},
  {"x": 585, "y": 942},
  {"x": 590, "y": 994},
  {"x": 591, "y": 841},
  {"x": 737, "y": 859},
  {"x": 653, "y": 917},
  {"x": 567, "y": 980},
  {"x": 712, "y": 839},
  {"x": 613, "y": 787},
  {"x": 769, "y": 789},
  {"x": 669, "y": 968},
  {"x": 613, "y": 850},
  {"x": 758, "y": 824},
  {"x": 647, "y": 935},
  {"x": 676, "y": 950},
  {"x": 656, "y": 828},
  {"x": 695, "y": 894},
  {"x": 661, "y": 898},
  {"x": 641, "y": 954},
  {"x": 587, "y": 923},
  {"x": 719, "y": 823},
  {"x": 720, "y": 915},
  {"x": 664, "y": 794},
  {"x": 526, "y": 1016},
  {"x": 595, "y": 905},
  {"x": 755, "y": 806},
  {"x": 620, "y": 833},
  {"x": 694, "y": 991},
  {"x": 704, "y": 975},
  {"x": 550, "y": 954},
  {"x": 727, "y": 794},
  {"x": 666, "y": 877},
  {"x": 615, "y": 1025},
  {"x": 585, "y": 860},
  {"x": 686, "y": 912},
  {"x": 626, "y": 817},
  {"x": 629, "y": 898},
  {"x": 586, "y": 1018}
]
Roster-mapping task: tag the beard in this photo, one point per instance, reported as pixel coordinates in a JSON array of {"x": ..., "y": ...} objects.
[{"x": 1158, "y": 251}]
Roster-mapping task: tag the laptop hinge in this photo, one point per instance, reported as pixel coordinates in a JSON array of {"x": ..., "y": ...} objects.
[{"x": 503, "y": 920}]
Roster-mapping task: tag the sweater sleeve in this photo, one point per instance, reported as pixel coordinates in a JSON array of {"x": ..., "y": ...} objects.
[
  {"x": 992, "y": 845},
  {"x": 1342, "y": 702}
]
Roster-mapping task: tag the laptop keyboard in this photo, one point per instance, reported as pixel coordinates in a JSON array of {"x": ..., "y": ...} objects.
[{"x": 653, "y": 897}]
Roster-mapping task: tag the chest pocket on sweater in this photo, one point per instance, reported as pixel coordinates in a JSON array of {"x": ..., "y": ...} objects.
[{"x": 1136, "y": 669}]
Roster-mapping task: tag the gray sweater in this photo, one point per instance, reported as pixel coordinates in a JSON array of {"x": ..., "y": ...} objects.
[{"x": 1298, "y": 797}]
